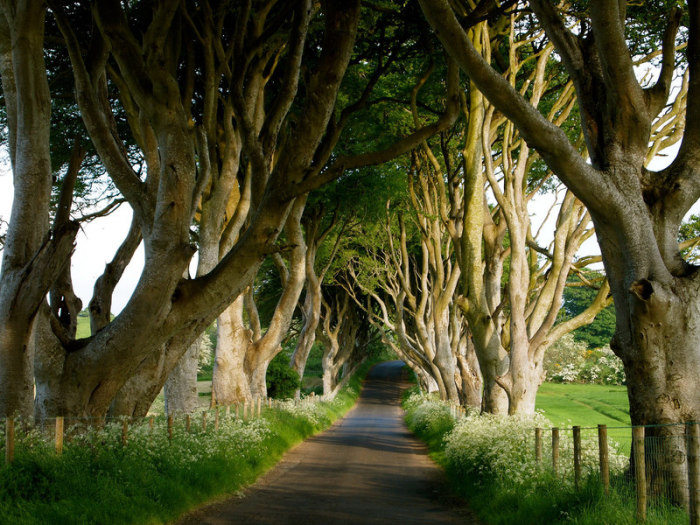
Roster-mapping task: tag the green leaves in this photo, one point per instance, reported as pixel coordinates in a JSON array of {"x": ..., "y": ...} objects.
[{"x": 576, "y": 299}]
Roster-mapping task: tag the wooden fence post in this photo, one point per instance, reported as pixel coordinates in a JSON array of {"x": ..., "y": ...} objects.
[
  {"x": 150, "y": 423},
  {"x": 216, "y": 419},
  {"x": 604, "y": 457},
  {"x": 577, "y": 456},
  {"x": 170, "y": 427},
  {"x": 693, "y": 451},
  {"x": 259, "y": 406},
  {"x": 204, "y": 421},
  {"x": 125, "y": 431},
  {"x": 187, "y": 423},
  {"x": 59, "y": 435},
  {"x": 640, "y": 472},
  {"x": 9, "y": 439},
  {"x": 555, "y": 450},
  {"x": 538, "y": 445}
]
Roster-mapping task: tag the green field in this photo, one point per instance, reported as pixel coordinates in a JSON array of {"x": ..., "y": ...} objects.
[
  {"x": 83, "y": 325},
  {"x": 587, "y": 406}
]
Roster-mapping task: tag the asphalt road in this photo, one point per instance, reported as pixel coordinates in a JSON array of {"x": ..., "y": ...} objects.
[{"x": 366, "y": 469}]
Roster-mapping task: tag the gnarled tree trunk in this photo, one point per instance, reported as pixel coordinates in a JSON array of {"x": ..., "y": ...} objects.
[{"x": 32, "y": 257}]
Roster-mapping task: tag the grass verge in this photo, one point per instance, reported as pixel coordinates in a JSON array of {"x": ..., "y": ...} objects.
[
  {"x": 154, "y": 480},
  {"x": 489, "y": 461}
]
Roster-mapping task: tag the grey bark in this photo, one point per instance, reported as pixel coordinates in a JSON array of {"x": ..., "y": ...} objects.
[
  {"x": 311, "y": 309},
  {"x": 32, "y": 257},
  {"x": 636, "y": 212},
  {"x": 230, "y": 384},
  {"x": 263, "y": 350},
  {"x": 181, "y": 386}
]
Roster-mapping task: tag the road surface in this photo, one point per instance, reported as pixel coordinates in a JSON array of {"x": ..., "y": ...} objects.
[{"x": 366, "y": 469}]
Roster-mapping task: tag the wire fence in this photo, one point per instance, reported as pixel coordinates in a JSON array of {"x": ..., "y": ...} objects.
[{"x": 660, "y": 462}]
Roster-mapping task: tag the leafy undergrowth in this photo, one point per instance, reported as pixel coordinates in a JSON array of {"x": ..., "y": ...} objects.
[
  {"x": 153, "y": 479},
  {"x": 490, "y": 462}
]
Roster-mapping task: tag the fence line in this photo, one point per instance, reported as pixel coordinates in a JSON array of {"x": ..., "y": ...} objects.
[
  {"x": 646, "y": 450},
  {"x": 640, "y": 472},
  {"x": 604, "y": 457},
  {"x": 651, "y": 462},
  {"x": 244, "y": 411},
  {"x": 693, "y": 454}
]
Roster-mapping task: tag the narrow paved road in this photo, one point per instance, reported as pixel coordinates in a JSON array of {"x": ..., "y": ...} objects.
[{"x": 366, "y": 469}]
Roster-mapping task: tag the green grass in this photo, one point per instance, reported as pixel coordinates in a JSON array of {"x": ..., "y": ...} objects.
[
  {"x": 555, "y": 503},
  {"x": 152, "y": 480},
  {"x": 83, "y": 329},
  {"x": 588, "y": 406},
  {"x": 205, "y": 375}
]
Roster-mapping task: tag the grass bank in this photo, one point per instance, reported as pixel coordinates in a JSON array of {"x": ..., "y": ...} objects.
[
  {"x": 489, "y": 460},
  {"x": 153, "y": 480}
]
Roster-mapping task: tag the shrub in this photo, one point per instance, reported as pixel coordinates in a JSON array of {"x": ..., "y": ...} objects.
[
  {"x": 490, "y": 461},
  {"x": 569, "y": 361},
  {"x": 564, "y": 359},
  {"x": 282, "y": 381},
  {"x": 491, "y": 447},
  {"x": 427, "y": 416},
  {"x": 602, "y": 366}
]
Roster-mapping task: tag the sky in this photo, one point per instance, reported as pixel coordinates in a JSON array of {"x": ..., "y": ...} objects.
[{"x": 96, "y": 244}]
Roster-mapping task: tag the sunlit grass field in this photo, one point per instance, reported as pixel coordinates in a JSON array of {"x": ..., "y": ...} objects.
[
  {"x": 83, "y": 325},
  {"x": 566, "y": 405}
]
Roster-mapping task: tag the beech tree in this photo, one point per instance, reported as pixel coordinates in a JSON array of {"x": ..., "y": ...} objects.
[
  {"x": 406, "y": 285},
  {"x": 512, "y": 330},
  {"x": 316, "y": 232},
  {"x": 285, "y": 127},
  {"x": 637, "y": 212},
  {"x": 33, "y": 256},
  {"x": 242, "y": 360},
  {"x": 370, "y": 64},
  {"x": 345, "y": 335},
  {"x": 332, "y": 222}
]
